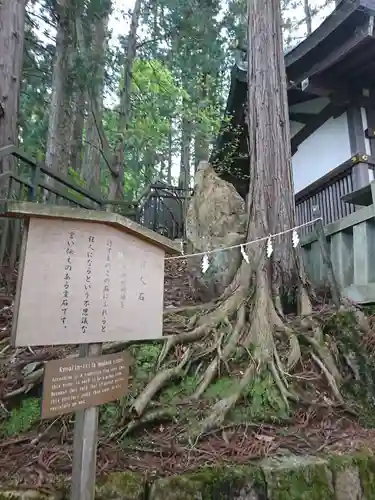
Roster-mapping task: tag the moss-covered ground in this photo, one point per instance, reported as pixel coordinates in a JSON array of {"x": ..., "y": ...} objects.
[{"x": 260, "y": 425}]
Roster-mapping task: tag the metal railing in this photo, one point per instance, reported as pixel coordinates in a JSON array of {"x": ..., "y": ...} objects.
[{"x": 162, "y": 209}]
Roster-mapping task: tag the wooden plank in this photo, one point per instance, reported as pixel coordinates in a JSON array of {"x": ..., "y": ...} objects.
[
  {"x": 59, "y": 192},
  {"x": 72, "y": 384},
  {"x": 94, "y": 281},
  {"x": 328, "y": 26},
  {"x": 7, "y": 150},
  {"x": 359, "y": 37},
  {"x": 301, "y": 117},
  {"x": 57, "y": 176},
  {"x": 362, "y": 196},
  {"x": 9, "y": 208}
]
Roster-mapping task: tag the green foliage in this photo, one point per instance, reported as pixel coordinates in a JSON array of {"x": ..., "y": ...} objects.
[
  {"x": 366, "y": 467},
  {"x": 179, "y": 89},
  {"x": 182, "y": 389},
  {"x": 21, "y": 419},
  {"x": 356, "y": 362},
  {"x": 109, "y": 416},
  {"x": 298, "y": 481}
]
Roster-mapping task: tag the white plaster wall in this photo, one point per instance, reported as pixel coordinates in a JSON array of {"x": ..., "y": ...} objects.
[
  {"x": 323, "y": 151},
  {"x": 313, "y": 106}
]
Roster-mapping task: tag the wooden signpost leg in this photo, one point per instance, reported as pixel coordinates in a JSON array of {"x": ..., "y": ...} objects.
[{"x": 85, "y": 442}]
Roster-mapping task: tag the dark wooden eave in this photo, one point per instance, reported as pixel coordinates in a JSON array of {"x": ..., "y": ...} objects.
[{"x": 336, "y": 61}]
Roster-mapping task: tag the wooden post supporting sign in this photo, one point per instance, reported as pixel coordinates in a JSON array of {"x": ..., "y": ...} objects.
[
  {"x": 86, "y": 278},
  {"x": 85, "y": 443}
]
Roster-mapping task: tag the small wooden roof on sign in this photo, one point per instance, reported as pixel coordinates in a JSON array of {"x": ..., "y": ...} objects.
[{"x": 30, "y": 209}]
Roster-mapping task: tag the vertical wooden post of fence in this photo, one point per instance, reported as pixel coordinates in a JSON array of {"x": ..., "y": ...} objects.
[
  {"x": 33, "y": 191},
  {"x": 319, "y": 228},
  {"x": 85, "y": 442}
]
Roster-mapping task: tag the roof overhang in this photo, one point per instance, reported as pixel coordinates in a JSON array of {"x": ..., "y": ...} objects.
[{"x": 336, "y": 61}]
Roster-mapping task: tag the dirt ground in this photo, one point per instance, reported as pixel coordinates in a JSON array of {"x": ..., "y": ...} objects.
[{"x": 38, "y": 456}]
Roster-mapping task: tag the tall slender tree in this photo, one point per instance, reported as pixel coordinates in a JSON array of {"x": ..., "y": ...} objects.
[
  {"x": 60, "y": 113},
  {"x": 308, "y": 16},
  {"x": 12, "y": 25},
  {"x": 117, "y": 189},
  {"x": 97, "y": 52}
]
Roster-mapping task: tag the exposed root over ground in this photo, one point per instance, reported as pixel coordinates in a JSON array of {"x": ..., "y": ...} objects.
[
  {"x": 246, "y": 336},
  {"x": 207, "y": 376}
]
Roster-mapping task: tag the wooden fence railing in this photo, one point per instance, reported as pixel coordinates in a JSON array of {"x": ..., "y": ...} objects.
[
  {"x": 327, "y": 193},
  {"x": 160, "y": 207}
]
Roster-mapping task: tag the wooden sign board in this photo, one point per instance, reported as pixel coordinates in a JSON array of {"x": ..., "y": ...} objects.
[
  {"x": 87, "y": 282},
  {"x": 79, "y": 383}
]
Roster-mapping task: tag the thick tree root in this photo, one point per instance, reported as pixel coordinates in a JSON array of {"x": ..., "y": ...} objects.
[
  {"x": 247, "y": 319},
  {"x": 224, "y": 355},
  {"x": 158, "y": 382},
  {"x": 223, "y": 407}
]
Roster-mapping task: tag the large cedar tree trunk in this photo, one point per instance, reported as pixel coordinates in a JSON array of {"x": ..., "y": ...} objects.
[
  {"x": 184, "y": 177},
  {"x": 117, "y": 188},
  {"x": 77, "y": 125},
  {"x": 271, "y": 207},
  {"x": 12, "y": 21},
  {"x": 92, "y": 155},
  {"x": 249, "y": 315},
  {"x": 60, "y": 115}
]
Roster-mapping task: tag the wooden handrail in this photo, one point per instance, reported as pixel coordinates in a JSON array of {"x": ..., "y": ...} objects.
[{"x": 22, "y": 155}]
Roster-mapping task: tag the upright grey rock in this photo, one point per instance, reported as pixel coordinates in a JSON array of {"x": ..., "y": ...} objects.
[{"x": 216, "y": 218}]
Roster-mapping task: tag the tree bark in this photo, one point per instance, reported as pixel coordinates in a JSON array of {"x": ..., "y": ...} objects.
[
  {"x": 271, "y": 207},
  {"x": 201, "y": 141},
  {"x": 184, "y": 178},
  {"x": 117, "y": 188},
  {"x": 12, "y": 23},
  {"x": 58, "y": 138},
  {"x": 306, "y": 6},
  {"x": 92, "y": 155},
  {"x": 170, "y": 154},
  {"x": 78, "y": 122}
]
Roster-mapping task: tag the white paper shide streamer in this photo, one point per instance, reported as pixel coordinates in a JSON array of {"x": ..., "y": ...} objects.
[
  {"x": 269, "y": 247},
  {"x": 295, "y": 239},
  {"x": 205, "y": 263},
  {"x": 244, "y": 254}
]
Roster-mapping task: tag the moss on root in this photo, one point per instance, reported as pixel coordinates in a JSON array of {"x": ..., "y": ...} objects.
[
  {"x": 211, "y": 484},
  {"x": 366, "y": 466},
  {"x": 357, "y": 364},
  {"x": 298, "y": 478},
  {"x": 23, "y": 494},
  {"x": 122, "y": 486}
]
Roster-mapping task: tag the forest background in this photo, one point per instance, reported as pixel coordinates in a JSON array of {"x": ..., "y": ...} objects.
[{"x": 138, "y": 86}]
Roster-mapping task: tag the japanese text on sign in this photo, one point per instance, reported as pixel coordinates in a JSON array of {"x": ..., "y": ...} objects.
[
  {"x": 88, "y": 285},
  {"x": 69, "y": 251},
  {"x": 107, "y": 281},
  {"x": 95, "y": 283}
]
